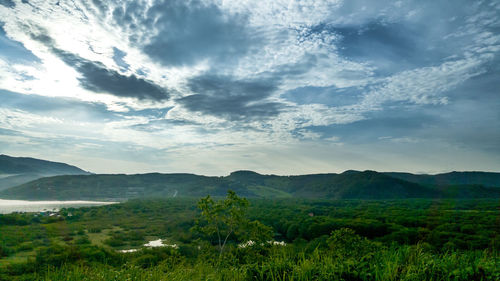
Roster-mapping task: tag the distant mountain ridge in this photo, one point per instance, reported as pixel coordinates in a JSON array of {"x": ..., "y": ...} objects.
[
  {"x": 453, "y": 178},
  {"x": 18, "y": 170},
  {"x": 347, "y": 185}
]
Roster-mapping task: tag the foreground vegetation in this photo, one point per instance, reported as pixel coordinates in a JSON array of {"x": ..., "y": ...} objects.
[{"x": 324, "y": 240}]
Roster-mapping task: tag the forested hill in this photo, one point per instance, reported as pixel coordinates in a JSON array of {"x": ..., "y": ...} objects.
[
  {"x": 347, "y": 185},
  {"x": 18, "y": 170},
  {"x": 453, "y": 178}
]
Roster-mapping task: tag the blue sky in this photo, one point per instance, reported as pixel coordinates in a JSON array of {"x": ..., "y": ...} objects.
[{"x": 284, "y": 87}]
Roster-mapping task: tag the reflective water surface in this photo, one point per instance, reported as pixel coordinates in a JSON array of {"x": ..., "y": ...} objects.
[{"x": 10, "y": 206}]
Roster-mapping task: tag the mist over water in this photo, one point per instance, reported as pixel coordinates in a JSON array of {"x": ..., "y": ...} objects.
[{"x": 11, "y": 206}]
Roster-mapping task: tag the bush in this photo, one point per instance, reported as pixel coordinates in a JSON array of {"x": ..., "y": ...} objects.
[
  {"x": 26, "y": 246},
  {"x": 82, "y": 240},
  {"x": 5, "y": 251},
  {"x": 346, "y": 243},
  {"x": 114, "y": 241},
  {"x": 56, "y": 255},
  {"x": 146, "y": 261},
  {"x": 94, "y": 230}
]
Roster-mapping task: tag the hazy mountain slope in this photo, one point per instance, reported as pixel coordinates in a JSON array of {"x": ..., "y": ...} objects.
[
  {"x": 18, "y": 170},
  {"x": 372, "y": 185},
  {"x": 19, "y": 165},
  {"x": 354, "y": 184},
  {"x": 348, "y": 185},
  {"x": 468, "y": 191},
  {"x": 453, "y": 178},
  {"x": 7, "y": 180},
  {"x": 122, "y": 186}
]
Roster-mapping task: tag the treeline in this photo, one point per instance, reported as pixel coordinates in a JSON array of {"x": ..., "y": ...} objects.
[{"x": 462, "y": 224}]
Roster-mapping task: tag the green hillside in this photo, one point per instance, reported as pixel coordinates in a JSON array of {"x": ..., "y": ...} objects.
[
  {"x": 453, "y": 178},
  {"x": 18, "y": 170},
  {"x": 25, "y": 165},
  {"x": 348, "y": 185}
]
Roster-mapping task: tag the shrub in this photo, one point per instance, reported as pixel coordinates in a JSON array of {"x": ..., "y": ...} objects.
[
  {"x": 114, "y": 241},
  {"x": 346, "y": 243}
]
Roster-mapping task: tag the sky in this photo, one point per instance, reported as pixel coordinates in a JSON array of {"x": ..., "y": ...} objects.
[{"x": 278, "y": 87}]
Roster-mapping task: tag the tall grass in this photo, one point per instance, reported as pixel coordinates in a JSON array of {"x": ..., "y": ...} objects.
[{"x": 391, "y": 263}]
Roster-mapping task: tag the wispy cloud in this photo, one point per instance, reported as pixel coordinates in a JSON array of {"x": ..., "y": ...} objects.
[{"x": 174, "y": 77}]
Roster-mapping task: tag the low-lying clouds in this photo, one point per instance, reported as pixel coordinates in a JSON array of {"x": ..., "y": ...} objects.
[{"x": 267, "y": 79}]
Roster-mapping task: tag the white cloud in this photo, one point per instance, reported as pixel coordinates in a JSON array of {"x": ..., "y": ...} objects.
[
  {"x": 13, "y": 119},
  {"x": 283, "y": 13},
  {"x": 424, "y": 85},
  {"x": 290, "y": 51}
]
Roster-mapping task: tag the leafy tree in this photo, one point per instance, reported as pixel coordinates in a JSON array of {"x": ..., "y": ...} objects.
[
  {"x": 226, "y": 218},
  {"x": 346, "y": 243},
  {"x": 257, "y": 232}
]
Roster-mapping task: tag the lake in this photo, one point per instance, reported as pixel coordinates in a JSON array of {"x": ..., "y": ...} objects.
[{"x": 10, "y": 206}]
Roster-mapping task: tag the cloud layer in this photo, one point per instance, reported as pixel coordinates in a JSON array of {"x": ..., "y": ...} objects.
[{"x": 262, "y": 83}]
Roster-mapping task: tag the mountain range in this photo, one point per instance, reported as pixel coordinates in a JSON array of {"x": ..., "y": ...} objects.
[
  {"x": 78, "y": 184},
  {"x": 18, "y": 170}
]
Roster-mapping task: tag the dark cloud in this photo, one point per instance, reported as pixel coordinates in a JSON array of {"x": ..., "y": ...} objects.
[
  {"x": 231, "y": 98},
  {"x": 187, "y": 31},
  {"x": 97, "y": 78},
  {"x": 43, "y": 38},
  {"x": 414, "y": 35},
  {"x": 389, "y": 41},
  {"x": 391, "y": 47},
  {"x": 101, "y": 6},
  {"x": 7, "y": 3}
]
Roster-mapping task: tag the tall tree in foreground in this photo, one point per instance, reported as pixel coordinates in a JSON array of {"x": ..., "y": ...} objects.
[{"x": 226, "y": 218}]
